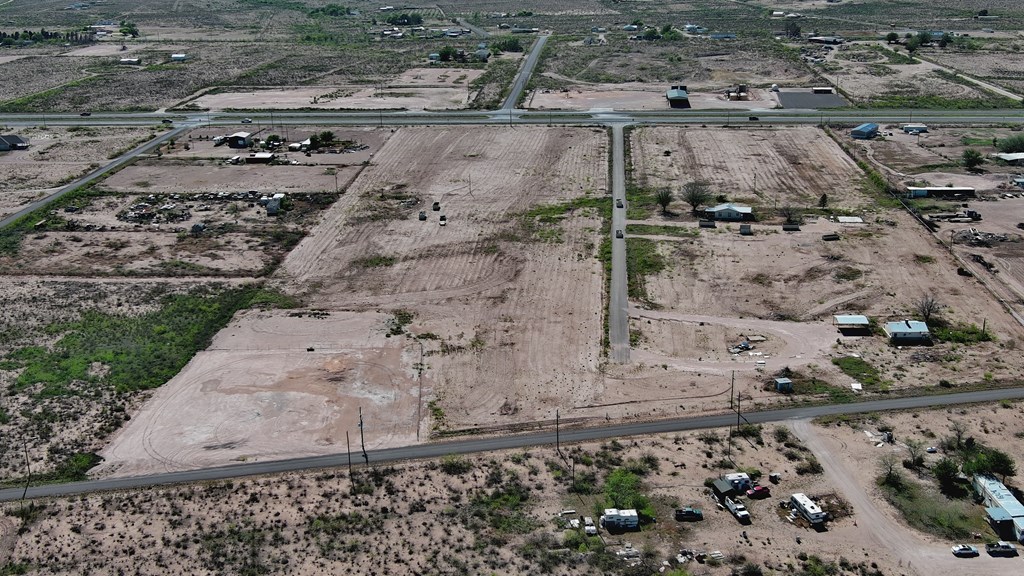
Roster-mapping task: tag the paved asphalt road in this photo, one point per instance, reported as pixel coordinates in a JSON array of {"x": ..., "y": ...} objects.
[
  {"x": 524, "y": 74},
  {"x": 473, "y": 445},
  {"x": 618, "y": 314}
]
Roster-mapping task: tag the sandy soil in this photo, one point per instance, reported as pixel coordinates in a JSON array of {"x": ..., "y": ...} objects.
[
  {"x": 106, "y": 49},
  {"x": 770, "y": 167},
  {"x": 5, "y": 59},
  {"x": 56, "y": 156},
  {"x": 639, "y": 97},
  {"x": 204, "y": 176},
  {"x": 403, "y": 504},
  {"x": 415, "y": 89},
  {"x": 488, "y": 307},
  {"x": 258, "y": 392}
]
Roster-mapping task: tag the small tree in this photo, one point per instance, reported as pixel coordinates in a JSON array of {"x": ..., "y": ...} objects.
[
  {"x": 892, "y": 37},
  {"x": 447, "y": 54},
  {"x": 916, "y": 449},
  {"x": 971, "y": 159},
  {"x": 890, "y": 473},
  {"x": 1001, "y": 463},
  {"x": 927, "y": 306},
  {"x": 959, "y": 430},
  {"x": 913, "y": 44},
  {"x": 946, "y": 473},
  {"x": 791, "y": 214},
  {"x": 792, "y": 29},
  {"x": 823, "y": 200},
  {"x": 696, "y": 194},
  {"x": 663, "y": 197},
  {"x": 326, "y": 138}
]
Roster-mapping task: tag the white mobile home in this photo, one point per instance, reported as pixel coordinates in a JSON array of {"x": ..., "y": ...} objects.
[{"x": 807, "y": 508}]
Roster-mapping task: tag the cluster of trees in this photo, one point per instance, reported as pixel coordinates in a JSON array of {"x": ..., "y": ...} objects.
[
  {"x": 915, "y": 41},
  {"x": 413, "y": 19},
  {"x": 333, "y": 10},
  {"x": 129, "y": 29},
  {"x": 510, "y": 44},
  {"x": 44, "y": 35},
  {"x": 792, "y": 29},
  {"x": 1011, "y": 145},
  {"x": 325, "y": 138}
]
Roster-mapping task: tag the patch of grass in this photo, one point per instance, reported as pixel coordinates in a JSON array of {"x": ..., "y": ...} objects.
[
  {"x": 398, "y": 322},
  {"x": 962, "y": 334},
  {"x": 642, "y": 260},
  {"x": 974, "y": 141},
  {"x": 927, "y": 510},
  {"x": 651, "y": 229},
  {"x": 139, "y": 352},
  {"x": 847, "y": 274},
  {"x": 924, "y": 259},
  {"x": 375, "y": 261},
  {"x": 544, "y": 223},
  {"x": 859, "y": 370}
]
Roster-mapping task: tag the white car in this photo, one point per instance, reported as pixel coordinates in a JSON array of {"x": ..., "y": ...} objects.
[
  {"x": 246, "y": 120},
  {"x": 964, "y": 550}
]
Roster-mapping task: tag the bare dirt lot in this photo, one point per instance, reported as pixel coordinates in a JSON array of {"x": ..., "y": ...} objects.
[
  {"x": 480, "y": 294},
  {"x": 394, "y": 514},
  {"x": 639, "y": 97},
  {"x": 56, "y": 156}
]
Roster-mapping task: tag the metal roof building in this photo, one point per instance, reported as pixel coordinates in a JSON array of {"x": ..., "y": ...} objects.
[
  {"x": 678, "y": 97},
  {"x": 1004, "y": 511},
  {"x": 907, "y": 331},
  {"x": 865, "y": 131},
  {"x": 850, "y": 320}
]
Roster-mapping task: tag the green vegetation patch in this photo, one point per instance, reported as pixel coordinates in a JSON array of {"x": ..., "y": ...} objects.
[
  {"x": 375, "y": 261},
  {"x": 134, "y": 352},
  {"x": 927, "y": 510},
  {"x": 653, "y": 229},
  {"x": 544, "y": 223},
  {"x": 642, "y": 260},
  {"x": 859, "y": 370},
  {"x": 962, "y": 334}
]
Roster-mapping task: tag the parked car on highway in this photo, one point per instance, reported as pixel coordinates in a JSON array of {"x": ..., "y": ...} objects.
[
  {"x": 86, "y": 114},
  {"x": 964, "y": 551},
  {"x": 167, "y": 121}
]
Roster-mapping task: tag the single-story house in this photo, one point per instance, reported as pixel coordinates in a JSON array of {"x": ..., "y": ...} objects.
[
  {"x": 12, "y": 142},
  {"x": 240, "y": 140},
  {"x": 865, "y": 131},
  {"x": 1005, "y": 512},
  {"x": 907, "y": 332},
  {"x": 1012, "y": 159},
  {"x": 678, "y": 97},
  {"x": 730, "y": 211},
  {"x": 261, "y": 158}
]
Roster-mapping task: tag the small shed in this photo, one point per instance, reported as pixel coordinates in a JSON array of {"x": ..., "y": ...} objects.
[
  {"x": 179, "y": 57},
  {"x": 273, "y": 207},
  {"x": 11, "y": 142},
  {"x": 678, "y": 97},
  {"x": 261, "y": 158},
  {"x": 783, "y": 385},
  {"x": 865, "y": 131},
  {"x": 722, "y": 488},
  {"x": 908, "y": 332},
  {"x": 729, "y": 211},
  {"x": 239, "y": 140},
  {"x": 852, "y": 324},
  {"x": 746, "y": 230}
]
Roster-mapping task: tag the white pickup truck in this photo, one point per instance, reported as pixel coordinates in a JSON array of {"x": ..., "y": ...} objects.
[{"x": 738, "y": 510}]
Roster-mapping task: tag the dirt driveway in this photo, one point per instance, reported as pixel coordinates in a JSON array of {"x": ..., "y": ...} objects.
[{"x": 919, "y": 553}]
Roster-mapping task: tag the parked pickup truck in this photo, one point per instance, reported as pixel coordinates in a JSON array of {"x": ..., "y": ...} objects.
[
  {"x": 738, "y": 510},
  {"x": 1001, "y": 548},
  {"x": 689, "y": 514}
]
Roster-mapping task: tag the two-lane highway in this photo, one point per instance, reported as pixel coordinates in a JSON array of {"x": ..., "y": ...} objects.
[
  {"x": 474, "y": 445},
  {"x": 618, "y": 303}
]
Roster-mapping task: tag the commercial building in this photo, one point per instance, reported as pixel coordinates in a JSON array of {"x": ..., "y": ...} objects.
[
  {"x": 239, "y": 140},
  {"x": 11, "y": 142},
  {"x": 865, "y": 131}
]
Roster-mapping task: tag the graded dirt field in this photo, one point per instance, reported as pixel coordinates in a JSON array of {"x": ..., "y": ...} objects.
[
  {"x": 639, "y": 97},
  {"x": 767, "y": 167},
  {"x": 291, "y": 523},
  {"x": 56, "y": 156},
  {"x": 486, "y": 300}
]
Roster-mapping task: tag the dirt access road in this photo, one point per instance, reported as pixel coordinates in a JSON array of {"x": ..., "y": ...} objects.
[{"x": 918, "y": 553}]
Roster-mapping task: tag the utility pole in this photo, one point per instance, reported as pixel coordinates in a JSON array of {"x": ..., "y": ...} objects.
[
  {"x": 348, "y": 449},
  {"x": 28, "y": 480},
  {"x": 558, "y": 445},
  {"x": 362, "y": 438}
]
